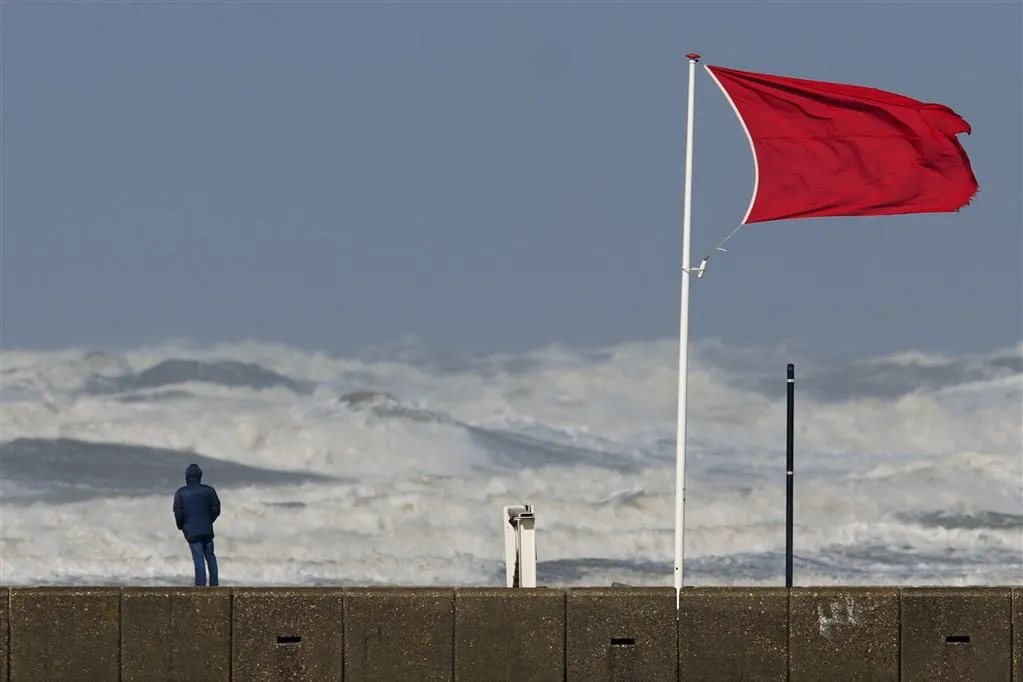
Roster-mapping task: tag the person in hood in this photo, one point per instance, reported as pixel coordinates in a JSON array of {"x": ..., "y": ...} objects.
[{"x": 196, "y": 507}]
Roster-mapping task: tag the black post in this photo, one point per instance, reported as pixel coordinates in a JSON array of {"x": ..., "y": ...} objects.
[{"x": 789, "y": 471}]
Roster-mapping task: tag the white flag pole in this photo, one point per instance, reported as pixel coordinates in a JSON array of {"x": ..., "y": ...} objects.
[{"x": 683, "y": 339}]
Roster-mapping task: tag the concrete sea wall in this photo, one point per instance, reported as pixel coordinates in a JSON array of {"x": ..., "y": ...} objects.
[{"x": 488, "y": 634}]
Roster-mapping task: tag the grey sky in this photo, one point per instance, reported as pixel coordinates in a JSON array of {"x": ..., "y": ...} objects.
[{"x": 485, "y": 176}]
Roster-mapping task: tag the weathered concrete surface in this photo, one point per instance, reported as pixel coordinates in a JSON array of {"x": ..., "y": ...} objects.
[
  {"x": 844, "y": 634},
  {"x": 291, "y": 634},
  {"x": 63, "y": 633},
  {"x": 5, "y": 595},
  {"x": 621, "y": 634},
  {"x": 1017, "y": 634},
  {"x": 175, "y": 634},
  {"x": 956, "y": 634},
  {"x": 733, "y": 633},
  {"x": 287, "y": 634},
  {"x": 394, "y": 634},
  {"x": 513, "y": 635}
]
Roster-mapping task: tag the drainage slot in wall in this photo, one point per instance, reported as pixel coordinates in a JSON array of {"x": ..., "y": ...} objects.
[
  {"x": 623, "y": 641},
  {"x": 957, "y": 639},
  {"x": 291, "y": 639}
]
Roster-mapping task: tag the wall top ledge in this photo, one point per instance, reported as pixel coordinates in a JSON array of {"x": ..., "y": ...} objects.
[{"x": 584, "y": 590}]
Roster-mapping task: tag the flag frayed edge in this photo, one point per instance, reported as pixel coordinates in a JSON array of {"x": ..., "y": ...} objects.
[{"x": 969, "y": 199}]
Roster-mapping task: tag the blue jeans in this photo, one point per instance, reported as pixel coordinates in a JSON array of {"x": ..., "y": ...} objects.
[{"x": 202, "y": 554}]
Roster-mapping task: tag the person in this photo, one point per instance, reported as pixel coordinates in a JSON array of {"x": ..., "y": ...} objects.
[{"x": 196, "y": 507}]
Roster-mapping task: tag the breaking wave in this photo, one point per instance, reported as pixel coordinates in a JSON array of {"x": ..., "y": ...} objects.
[{"x": 392, "y": 466}]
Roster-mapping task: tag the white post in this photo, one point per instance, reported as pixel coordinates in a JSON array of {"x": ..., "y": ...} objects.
[
  {"x": 683, "y": 339},
  {"x": 527, "y": 551},
  {"x": 511, "y": 546},
  {"x": 520, "y": 545}
]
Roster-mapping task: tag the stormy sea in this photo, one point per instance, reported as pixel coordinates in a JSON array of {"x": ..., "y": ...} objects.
[{"x": 392, "y": 466}]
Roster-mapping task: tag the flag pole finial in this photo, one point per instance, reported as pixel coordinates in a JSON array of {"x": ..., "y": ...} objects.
[{"x": 693, "y": 56}]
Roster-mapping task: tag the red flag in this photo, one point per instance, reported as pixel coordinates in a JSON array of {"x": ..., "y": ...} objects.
[{"x": 830, "y": 149}]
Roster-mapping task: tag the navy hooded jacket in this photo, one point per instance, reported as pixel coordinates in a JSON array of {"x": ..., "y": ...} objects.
[{"x": 196, "y": 506}]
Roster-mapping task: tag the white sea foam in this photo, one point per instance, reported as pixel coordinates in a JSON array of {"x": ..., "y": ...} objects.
[{"x": 894, "y": 485}]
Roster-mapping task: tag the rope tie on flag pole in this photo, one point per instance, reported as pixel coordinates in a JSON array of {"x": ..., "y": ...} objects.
[{"x": 720, "y": 247}]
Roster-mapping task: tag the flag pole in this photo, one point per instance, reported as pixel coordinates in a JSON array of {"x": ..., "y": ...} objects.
[{"x": 683, "y": 339}]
